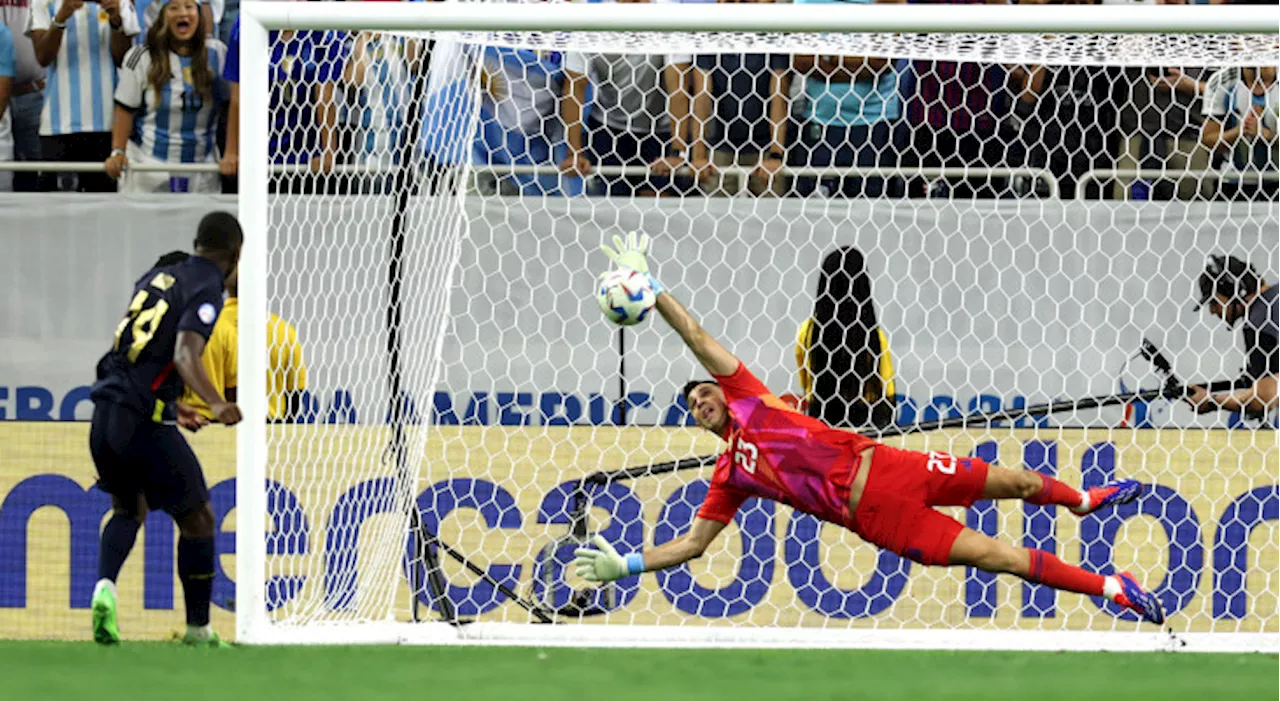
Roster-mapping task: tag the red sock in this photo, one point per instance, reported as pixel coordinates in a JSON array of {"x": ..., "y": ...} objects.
[
  {"x": 1046, "y": 568},
  {"x": 1055, "y": 492}
]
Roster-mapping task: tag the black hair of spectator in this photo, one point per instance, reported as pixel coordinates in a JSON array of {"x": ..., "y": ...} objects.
[
  {"x": 171, "y": 258},
  {"x": 219, "y": 233},
  {"x": 1228, "y": 276}
]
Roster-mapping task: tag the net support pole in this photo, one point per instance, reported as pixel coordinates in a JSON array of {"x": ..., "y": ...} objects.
[
  {"x": 622, "y": 376},
  {"x": 251, "y": 434},
  {"x": 408, "y": 178}
]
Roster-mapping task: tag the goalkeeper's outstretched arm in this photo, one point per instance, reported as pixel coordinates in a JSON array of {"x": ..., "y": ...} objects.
[
  {"x": 708, "y": 350},
  {"x": 630, "y": 253},
  {"x": 604, "y": 564}
]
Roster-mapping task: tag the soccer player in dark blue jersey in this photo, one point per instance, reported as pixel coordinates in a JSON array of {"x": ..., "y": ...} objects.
[{"x": 142, "y": 459}]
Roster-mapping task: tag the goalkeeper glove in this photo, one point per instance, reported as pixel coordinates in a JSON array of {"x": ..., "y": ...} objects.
[
  {"x": 605, "y": 564},
  {"x": 630, "y": 254}
]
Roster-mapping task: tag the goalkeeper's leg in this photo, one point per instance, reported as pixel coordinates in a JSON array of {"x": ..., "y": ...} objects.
[
  {"x": 1035, "y": 488},
  {"x": 974, "y": 549},
  {"x": 948, "y": 480},
  {"x": 894, "y": 514}
]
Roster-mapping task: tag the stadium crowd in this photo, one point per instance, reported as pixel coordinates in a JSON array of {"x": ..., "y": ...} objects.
[{"x": 120, "y": 84}]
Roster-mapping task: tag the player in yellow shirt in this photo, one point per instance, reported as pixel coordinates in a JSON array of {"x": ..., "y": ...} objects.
[{"x": 286, "y": 373}]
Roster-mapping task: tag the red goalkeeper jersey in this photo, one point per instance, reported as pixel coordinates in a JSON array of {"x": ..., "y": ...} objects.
[{"x": 778, "y": 453}]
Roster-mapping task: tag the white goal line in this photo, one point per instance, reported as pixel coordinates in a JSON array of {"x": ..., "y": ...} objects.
[{"x": 577, "y": 635}]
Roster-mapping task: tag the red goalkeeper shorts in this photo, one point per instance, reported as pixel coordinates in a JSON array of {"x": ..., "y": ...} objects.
[{"x": 895, "y": 510}]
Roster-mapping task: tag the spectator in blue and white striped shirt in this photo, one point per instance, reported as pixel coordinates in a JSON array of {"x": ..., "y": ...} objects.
[
  {"x": 519, "y": 121},
  {"x": 80, "y": 43},
  {"x": 167, "y": 102},
  {"x": 376, "y": 79},
  {"x": 304, "y": 68}
]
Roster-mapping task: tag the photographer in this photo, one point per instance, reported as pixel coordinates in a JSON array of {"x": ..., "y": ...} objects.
[{"x": 1234, "y": 291}]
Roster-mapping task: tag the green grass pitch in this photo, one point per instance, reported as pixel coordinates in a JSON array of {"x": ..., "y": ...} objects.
[{"x": 136, "y": 671}]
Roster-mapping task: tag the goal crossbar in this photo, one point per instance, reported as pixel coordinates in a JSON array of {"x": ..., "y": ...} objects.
[{"x": 769, "y": 18}]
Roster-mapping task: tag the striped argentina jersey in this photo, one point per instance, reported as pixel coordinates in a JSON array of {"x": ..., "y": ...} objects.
[
  {"x": 82, "y": 77},
  {"x": 178, "y": 124},
  {"x": 377, "y": 105}
]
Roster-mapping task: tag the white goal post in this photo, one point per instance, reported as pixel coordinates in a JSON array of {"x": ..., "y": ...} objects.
[{"x": 458, "y": 297}]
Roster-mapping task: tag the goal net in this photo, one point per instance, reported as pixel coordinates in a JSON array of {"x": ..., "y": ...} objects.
[{"x": 895, "y": 230}]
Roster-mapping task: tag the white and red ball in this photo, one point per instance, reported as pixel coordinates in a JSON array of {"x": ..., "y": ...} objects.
[{"x": 625, "y": 297}]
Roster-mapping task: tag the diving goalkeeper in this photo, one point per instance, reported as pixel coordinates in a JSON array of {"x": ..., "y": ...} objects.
[{"x": 882, "y": 493}]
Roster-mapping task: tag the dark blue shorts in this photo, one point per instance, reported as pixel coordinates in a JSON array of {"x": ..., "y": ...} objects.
[{"x": 134, "y": 455}]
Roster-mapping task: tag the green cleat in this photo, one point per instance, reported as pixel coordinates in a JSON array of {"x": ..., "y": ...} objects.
[
  {"x": 105, "y": 631},
  {"x": 212, "y": 641}
]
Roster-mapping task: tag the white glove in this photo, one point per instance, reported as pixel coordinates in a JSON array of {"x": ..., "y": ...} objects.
[
  {"x": 605, "y": 564},
  {"x": 630, "y": 254}
]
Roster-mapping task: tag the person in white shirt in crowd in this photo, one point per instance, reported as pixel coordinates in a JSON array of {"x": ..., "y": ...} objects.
[
  {"x": 166, "y": 103},
  {"x": 80, "y": 43},
  {"x": 26, "y": 96},
  {"x": 1241, "y": 106},
  {"x": 626, "y": 122},
  {"x": 7, "y": 61}
]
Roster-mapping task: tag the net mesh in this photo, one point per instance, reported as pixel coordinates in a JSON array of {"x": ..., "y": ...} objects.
[
  {"x": 1056, "y": 49},
  {"x": 434, "y": 240}
]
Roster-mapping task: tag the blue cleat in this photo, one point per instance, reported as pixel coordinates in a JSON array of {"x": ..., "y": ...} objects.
[
  {"x": 1111, "y": 494},
  {"x": 1133, "y": 597}
]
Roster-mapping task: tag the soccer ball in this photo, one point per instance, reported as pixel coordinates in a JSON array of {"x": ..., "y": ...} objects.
[{"x": 625, "y": 297}]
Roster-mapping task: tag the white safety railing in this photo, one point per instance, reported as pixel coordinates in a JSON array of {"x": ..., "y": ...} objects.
[
  {"x": 742, "y": 173},
  {"x": 1098, "y": 176},
  {"x": 1052, "y": 190}
]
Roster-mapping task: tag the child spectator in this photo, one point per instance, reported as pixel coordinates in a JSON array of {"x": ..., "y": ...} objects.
[{"x": 166, "y": 103}]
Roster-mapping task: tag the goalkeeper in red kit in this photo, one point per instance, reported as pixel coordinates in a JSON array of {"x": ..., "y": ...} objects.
[{"x": 882, "y": 493}]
